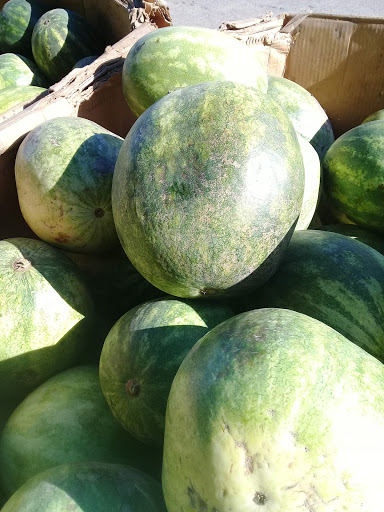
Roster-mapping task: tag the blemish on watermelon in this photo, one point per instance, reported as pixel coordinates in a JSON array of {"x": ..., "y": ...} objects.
[
  {"x": 260, "y": 498},
  {"x": 133, "y": 388},
  {"x": 21, "y": 265}
]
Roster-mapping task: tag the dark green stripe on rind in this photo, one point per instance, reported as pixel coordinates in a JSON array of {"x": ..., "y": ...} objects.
[
  {"x": 61, "y": 38},
  {"x": 207, "y": 186},
  {"x": 175, "y": 57},
  {"x": 142, "y": 354},
  {"x": 275, "y": 408},
  {"x": 63, "y": 173},
  {"x": 19, "y": 70},
  {"x": 17, "y": 19},
  {"x": 14, "y": 95},
  {"x": 354, "y": 175},
  {"x": 307, "y": 115},
  {"x": 335, "y": 279},
  {"x": 89, "y": 486},
  {"x": 67, "y": 420}
]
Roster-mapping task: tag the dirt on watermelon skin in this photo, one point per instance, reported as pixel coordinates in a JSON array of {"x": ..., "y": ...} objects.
[
  {"x": 17, "y": 19},
  {"x": 354, "y": 175},
  {"x": 335, "y": 279},
  {"x": 88, "y": 487},
  {"x": 46, "y": 319},
  {"x": 307, "y": 115},
  {"x": 208, "y": 211},
  {"x": 61, "y": 38},
  {"x": 19, "y": 70},
  {"x": 175, "y": 57},
  {"x": 142, "y": 354},
  {"x": 67, "y": 420},
  {"x": 273, "y": 409},
  {"x": 63, "y": 172}
]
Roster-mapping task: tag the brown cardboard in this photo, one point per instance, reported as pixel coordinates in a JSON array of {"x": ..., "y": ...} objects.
[{"x": 340, "y": 60}]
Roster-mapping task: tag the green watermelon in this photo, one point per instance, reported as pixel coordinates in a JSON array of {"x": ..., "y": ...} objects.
[
  {"x": 88, "y": 487},
  {"x": 67, "y": 420},
  {"x": 312, "y": 187},
  {"x": 17, "y": 19},
  {"x": 370, "y": 238},
  {"x": 46, "y": 318},
  {"x": 60, "y": 38},
  {"x": 175, "y": 57},
  {"x": 376, "y": 116},
  {"x": 335, "y": 279},
  {"x": 207, "y": 189},
  {"x": 354, "y": 175},
  {"x": 274, "y": 410},
  {"x": 63, "y": 172},
  {"x": 142, "y": 354},
  {"x": 19, "y": 70},
  {"x": 14, "y": 95},
  {"x": 307, "y": 115}
]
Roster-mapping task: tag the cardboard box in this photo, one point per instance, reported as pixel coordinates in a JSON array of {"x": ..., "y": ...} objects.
[{"x": 339, "y": 59}]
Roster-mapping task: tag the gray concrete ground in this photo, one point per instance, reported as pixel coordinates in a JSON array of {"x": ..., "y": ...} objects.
[{"x": 205, "y": 13}]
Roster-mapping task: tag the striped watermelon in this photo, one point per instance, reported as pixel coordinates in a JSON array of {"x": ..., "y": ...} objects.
[
  {"x": 335, "y": 279},
  {"x": 14, "y": 95},
  {"x": 19, "y": 70},
  {"x": 174, "y": 57},
  {"x": 61, "y": 38},
  {"x": 207, "y": 189}
]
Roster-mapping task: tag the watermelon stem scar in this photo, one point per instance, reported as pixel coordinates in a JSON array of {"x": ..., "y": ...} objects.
[
  {"x": 133, "y": 387},
  {"x": 21, "y": 265}
]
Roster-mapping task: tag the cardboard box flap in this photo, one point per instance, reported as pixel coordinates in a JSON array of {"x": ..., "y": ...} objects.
[
  {"x": 269, "y": 35},
  {"x": 340, "y": 61}
]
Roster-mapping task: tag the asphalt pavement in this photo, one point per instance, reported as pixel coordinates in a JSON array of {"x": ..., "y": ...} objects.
[{"x": 205, "y": 13}]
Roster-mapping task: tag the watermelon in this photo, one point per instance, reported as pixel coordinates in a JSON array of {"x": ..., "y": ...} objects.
[
  {"x": 18, "y": 70},
  {"x": 85, "y": 61},
  {"x": 307, "y": 115},
  {"x": 335, "y": 279},
  {"x": 376, "y": 116},
  {"x": 374, "y": 240},
  {"x": 207, "y": 190},
  {"x": 174, "y": 57},
  {"x": 46, "y": 316},
  {"x": 67, "y": 420},
  {"x": 312, "y": 187},
  {"x": 63, "y": 172},
  {"x": 86, "y": 487},
  {"x": 15, "y": 95},
  {"x": 354, "y": 175},
  {"x": 60, "y": 38},
  {"x": 17, "y": 20},
  {"x": 274, "y": 410},
  {"x": 142, "y": 354}
]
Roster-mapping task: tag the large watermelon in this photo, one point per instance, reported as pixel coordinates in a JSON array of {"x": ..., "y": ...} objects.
[
  {"x": 374, "y": 240},
  {"x": 175, "y": 57},
  {"x": 207, "y": 189},
  {"x": 19, "y": 70},
  {"x": 354, "y": 175},
  {"x": 60, "y": 38},
  {"x": 88, "y": 487},
  {"x": 14, "y": 95},
  {"x": 67, "y": 420},
  {"x": 142, "y": 354},
  {"x": 335, "y": 279},
  {"x": 273, "y": 410},
  {"x": 63, "y": 172},
  {"x": 17, "y": 20},
  {"x": 46, "y": 317},
  {"x": 307, "y": 115}
]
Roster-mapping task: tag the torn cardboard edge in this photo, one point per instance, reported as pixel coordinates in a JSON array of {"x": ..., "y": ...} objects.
[{"x": 270, "y": 36}]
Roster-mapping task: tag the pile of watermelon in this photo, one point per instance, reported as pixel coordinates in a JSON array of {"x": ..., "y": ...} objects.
[
  {"x": 198, "y": 323},
  {"x": 38, "y": 47}
]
